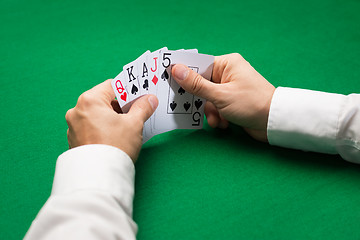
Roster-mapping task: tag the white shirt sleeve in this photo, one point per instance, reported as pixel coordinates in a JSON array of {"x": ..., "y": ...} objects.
[
  {"x": 316, "y": 121},
  {"x": 91, "y": 198}
]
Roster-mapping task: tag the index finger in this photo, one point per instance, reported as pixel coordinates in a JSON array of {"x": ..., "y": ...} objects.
[
  {"x": 226, "y": 64},
  {"x": 218, "y": 68}
]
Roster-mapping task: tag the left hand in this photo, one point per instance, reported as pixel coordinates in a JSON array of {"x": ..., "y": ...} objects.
[{"x": 97, "y": 119}]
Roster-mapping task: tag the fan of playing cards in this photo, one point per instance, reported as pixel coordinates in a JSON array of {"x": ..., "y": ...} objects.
[{"x": 151, "y": 74}]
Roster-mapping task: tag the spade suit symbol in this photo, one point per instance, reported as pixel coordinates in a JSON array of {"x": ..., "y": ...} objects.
[
  {"x": 181, "y": 91},
  {"x": 187, "y": 106},
  {"x": 134, "y": 89},
  {"x": 146, "y": 84},
  {"x": 173, "y": 105},
  {"x": 165, "y": 75},
  {"x": 198, "y": 104}
]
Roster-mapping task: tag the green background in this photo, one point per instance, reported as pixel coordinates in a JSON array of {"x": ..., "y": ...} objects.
[{"x": 205, "y": 184}]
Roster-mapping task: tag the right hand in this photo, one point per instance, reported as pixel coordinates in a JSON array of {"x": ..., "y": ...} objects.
[{"x": 238, "y": 94}]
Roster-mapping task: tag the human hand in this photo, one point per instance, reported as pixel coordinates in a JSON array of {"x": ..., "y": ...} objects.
[
  {"x": 237, "y": 93},
  {"x": 97, "y": 119}
]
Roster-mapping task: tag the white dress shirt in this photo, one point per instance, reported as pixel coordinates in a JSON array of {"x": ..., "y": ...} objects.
[
  {"x": 93, "y": 186},
  {"x": 316, "y": 121},
  {"x": 91, "y": 198}
]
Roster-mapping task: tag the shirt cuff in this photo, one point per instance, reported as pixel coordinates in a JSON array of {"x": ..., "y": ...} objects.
[
  {"x": 96, "y": 168},
  {"x": 304, "y": 119}
]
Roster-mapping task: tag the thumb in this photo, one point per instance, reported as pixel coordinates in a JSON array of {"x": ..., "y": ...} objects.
[
  {"x": 193, "y": 82},
  {"x": 144, "y": 107}
]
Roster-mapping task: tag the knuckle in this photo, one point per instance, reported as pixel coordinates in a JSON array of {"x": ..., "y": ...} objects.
[
  {"x": 235, "y": 55},
  {"x": 68, "y": 114},
  {"x": 85, "y": 99}
]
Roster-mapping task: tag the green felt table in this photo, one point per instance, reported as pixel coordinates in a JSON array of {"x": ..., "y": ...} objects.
[{"x": 190, "y": 184}]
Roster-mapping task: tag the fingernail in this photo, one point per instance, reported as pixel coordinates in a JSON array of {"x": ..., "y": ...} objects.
[
  {"x": 153, "y": 102},
  {"x": 181, "y": 72}
]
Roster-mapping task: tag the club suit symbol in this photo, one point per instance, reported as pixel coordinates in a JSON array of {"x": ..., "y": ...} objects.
[{"x": 146, "y": 84}]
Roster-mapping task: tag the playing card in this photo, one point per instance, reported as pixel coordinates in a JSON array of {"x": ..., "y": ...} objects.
[
  {"x": 147, "y": 131},
  {"x": 131, "y": 75},
  {"x": 163, "y": 71},
  {"x": 158, "y": 90},
  {"x": 143, "y": 79},
  {"x": 143, "y": 73},
  {"x": 191, "y": 50},
  {"x": 154, "y": 76},
  {"x": 178, "y": 109},
  {"x": 153, "y": 65},
  {"x": 121, "y": 93}
]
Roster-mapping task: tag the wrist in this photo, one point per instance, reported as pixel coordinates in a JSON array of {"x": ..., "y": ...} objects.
[{"x": 264, "y": 108}]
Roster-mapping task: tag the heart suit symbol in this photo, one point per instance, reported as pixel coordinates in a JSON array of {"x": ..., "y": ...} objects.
[{"x": 123, "y": 96}]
